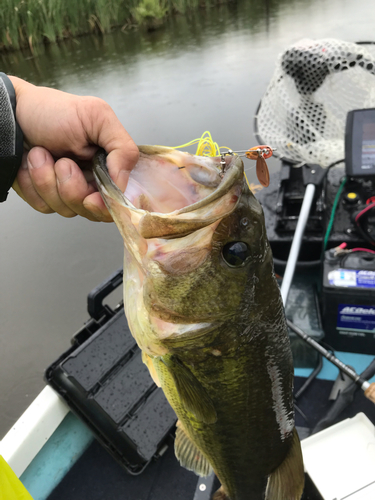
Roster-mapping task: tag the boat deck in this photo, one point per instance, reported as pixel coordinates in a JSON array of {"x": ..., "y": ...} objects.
[{"x": 96, "y": 475}]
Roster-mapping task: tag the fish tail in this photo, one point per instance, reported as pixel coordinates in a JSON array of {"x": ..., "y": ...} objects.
[
  {"x": 220, "y": 495},
  {"x": 287, "y": 481}
]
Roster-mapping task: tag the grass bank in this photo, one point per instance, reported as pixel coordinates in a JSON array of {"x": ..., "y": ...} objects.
[{"x": 27, "y": 23}]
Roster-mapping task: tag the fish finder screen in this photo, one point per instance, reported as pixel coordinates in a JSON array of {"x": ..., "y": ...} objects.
[
  {"x": 368, "y": 145},
  {"x": 360, "y": 143}
]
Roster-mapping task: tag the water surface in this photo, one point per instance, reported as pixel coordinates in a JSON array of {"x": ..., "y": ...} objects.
[{"x": 203, "y": 71}]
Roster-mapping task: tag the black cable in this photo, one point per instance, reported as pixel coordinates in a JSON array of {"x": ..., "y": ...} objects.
[
  {"x": 327, "y": 346},
  {"x": 344, "y": 399},
  {"x": 364, "y": 235},
  {"x": 301, "y": 264},
  {"x": 333, "y": 165},
  {"x": 310, "y": 378},
  {"x": 302, "y": 414}
]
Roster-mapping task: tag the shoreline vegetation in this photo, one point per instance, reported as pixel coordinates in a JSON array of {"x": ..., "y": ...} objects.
[{"x": 28, "y": 23}]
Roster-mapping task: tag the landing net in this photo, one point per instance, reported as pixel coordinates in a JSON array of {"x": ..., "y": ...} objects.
[{"x": 315, "y": 84}]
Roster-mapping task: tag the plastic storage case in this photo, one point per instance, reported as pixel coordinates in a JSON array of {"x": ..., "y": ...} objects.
[
  {"x": 341, "y": 460},
  {"x": 105, "y": 383}
]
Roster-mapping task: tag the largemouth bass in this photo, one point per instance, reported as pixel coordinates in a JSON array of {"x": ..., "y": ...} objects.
[{"x": 204, "y": 306}]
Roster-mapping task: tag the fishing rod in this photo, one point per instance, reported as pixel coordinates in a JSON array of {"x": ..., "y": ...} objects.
[
  {"x": 369, "y": 389},
  {"x": 344, "y": 399}
]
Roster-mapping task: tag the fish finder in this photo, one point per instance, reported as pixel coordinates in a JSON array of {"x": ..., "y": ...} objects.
[{"x": 360, "y": 143}]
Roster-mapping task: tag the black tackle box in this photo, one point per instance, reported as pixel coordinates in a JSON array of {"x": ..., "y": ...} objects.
[{"x": 105, "y": 383}]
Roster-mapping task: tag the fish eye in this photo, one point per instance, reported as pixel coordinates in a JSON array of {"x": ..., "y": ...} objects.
[{"x": 235, "y": 253}]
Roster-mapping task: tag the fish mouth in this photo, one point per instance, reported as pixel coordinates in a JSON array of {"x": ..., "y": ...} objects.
[{"x": 171, "y": 193}]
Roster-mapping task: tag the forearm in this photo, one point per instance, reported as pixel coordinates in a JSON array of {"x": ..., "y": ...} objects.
[
  {"x": 43, "y": 113},
  {"x": 19, "y": 84},
  {"x": 20, "y": 87},
  {"x": 11, "y": 139}
]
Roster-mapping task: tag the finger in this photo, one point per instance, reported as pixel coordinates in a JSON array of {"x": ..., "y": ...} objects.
[
  {"x": 73, "y": 188},
  {"x": 121, "y": 160},
  {"x": 104, "y": 128},
  {"x": 94, "y": 203},
  {"x": 41, "y": 166},
  {"x": 24, "y": 187}
]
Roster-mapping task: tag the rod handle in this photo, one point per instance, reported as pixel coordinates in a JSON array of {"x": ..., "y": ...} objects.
[{"x": 370, "y": 392}]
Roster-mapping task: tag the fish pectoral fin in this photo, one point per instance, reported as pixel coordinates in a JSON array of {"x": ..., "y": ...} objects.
[
  {"x": 220, "y": 494},
  {"x": 192, "y": 394},
  {"x": 189, "y": 455},
  {"x": 287, "y": 481},
  {"x": 147, "y": 360}
]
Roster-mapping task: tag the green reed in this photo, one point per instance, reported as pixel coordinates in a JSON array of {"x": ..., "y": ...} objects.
[{"x": 26, "y": 23}]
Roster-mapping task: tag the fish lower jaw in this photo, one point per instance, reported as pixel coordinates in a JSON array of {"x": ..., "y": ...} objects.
[
  {"x": 164, "y": 330},
  {"x": 168, "y": 316}
]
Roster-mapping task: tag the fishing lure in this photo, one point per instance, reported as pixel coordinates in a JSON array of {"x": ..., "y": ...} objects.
[
  {"x": 207, "y": 147},
  {"x": 258, "y": 153}
]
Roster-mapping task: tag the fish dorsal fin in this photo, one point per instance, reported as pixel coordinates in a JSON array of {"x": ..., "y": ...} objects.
[
  {"x": 189, "y": 455},
  {"x": 193, "y": 395},
  {"x": 287, "y": 481},
  {"x": 147, "y": 360}
]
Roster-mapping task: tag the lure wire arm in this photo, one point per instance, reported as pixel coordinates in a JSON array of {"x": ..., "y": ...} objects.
[
  {"x": 258, "y": 153},
  {"x": 252, "y": 153}
]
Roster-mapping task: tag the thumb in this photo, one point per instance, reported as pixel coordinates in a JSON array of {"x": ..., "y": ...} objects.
[{"x": 122, "y": 158}]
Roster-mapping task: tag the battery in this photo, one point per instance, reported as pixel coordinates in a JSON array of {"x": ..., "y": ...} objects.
[{"x": 348, "y": 301}]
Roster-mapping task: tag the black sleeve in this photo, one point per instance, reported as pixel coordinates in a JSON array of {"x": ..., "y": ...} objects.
[{"x": 11, "y": 138}]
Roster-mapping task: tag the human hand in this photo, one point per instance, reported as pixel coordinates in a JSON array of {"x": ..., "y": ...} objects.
[{"x": 64, "y": 132}]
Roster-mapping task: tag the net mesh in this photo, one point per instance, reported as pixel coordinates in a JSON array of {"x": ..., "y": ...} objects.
[{"x": 315, "y": 84}]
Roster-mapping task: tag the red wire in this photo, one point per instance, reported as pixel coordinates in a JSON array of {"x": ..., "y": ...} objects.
[
  {"x": 344, "y": 245},
  {"x": 362, "y": 212},
  {"x": 362, "y": 250}
]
